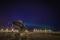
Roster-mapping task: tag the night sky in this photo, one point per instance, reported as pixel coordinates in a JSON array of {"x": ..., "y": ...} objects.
[{"x": 31, "y": 12}]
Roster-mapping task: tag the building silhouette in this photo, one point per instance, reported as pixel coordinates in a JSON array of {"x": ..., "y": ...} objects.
[{"x": 19, "y": 24}]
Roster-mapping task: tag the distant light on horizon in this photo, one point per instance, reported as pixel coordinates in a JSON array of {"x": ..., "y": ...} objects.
[
  {"x": 40, "y": 30},
  {"x": 9, "y": 30}
]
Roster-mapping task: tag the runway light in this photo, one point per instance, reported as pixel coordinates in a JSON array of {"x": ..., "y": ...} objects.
[
  {"x": 26, "y": 31},
  {"x": 12, "y": 29},
  {"x": 16, "y": 30},
  {"x": 1, "y": 29},
  {"x": 6, "y": 30},
  {"x": 21, "y": 34}
]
